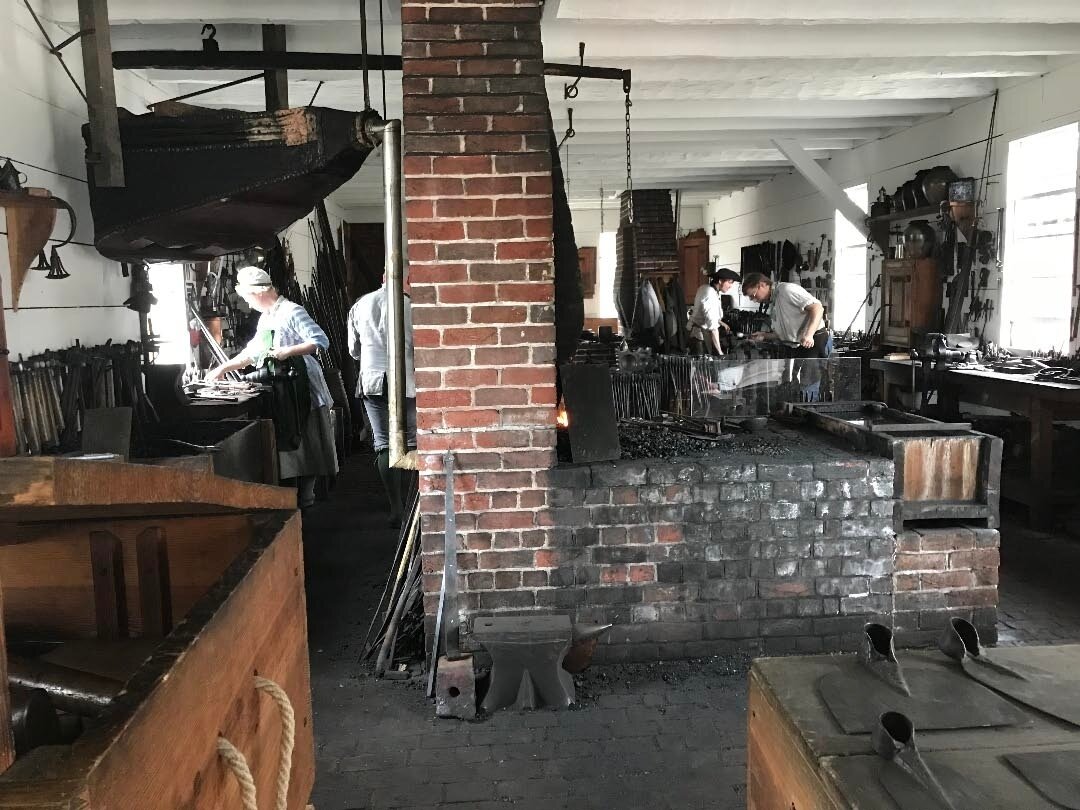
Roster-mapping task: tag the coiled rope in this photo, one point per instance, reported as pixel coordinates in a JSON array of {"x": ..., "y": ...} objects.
[{"x": 238, "y": 763}]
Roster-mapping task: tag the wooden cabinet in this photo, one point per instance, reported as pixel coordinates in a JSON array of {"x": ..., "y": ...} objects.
[
  {"x": 693, "y": 256},
  {"x": 587, "y": 267},
  {"x": 911, "y": 290}
]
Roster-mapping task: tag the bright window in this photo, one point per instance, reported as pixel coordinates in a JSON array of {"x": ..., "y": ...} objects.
[
  {"x": 1040, "y": 213},
  {"x": 849, "y": 275},
  {"x": 169, "y": 317},
  {"x": 605, "y": 276}
]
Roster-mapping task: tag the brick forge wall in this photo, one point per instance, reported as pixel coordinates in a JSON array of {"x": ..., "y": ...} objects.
[
  {"x": 703, "y": 558},
  {"x": 946, "y": 571},
  {"x": 479, "y": 223}
]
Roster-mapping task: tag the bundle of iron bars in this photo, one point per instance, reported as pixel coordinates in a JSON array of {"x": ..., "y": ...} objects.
[
  {"x": 326, "y": 298},
  {"x": 50, "y": 392},
  {"x": 399, "y": 640},
  {"x": 636, "y": 394}
]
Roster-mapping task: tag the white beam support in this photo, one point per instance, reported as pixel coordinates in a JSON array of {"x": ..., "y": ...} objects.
[
  {"x": 821, "y": 11},
  {"x": 819, "y": 179}
]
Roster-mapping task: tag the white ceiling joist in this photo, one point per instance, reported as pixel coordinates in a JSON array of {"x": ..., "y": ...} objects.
[{"x": 831, "y": 11}]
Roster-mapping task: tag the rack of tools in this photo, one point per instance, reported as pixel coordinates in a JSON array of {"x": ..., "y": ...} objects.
[{"x": 51, "y": 391}]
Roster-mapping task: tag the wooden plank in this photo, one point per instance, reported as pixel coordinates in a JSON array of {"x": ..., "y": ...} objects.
[
  {"x": 107, "y": 572},
  {"x": 782, "y": 771},
  {"x": 7, "y": 741},
  {"x": 107, "y": 160},
  {"x": 275, "y": 82},
  {"x": 941, "y": 468},
  {"x": 155, "y": 601},
  {"x": 48, "y": 488}
]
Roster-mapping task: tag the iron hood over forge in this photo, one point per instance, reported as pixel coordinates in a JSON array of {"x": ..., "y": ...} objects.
[{"x": 202, "y": 183}]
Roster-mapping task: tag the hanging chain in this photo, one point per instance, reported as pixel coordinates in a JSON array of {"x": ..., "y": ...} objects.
[
  {"x": 629, "y": 181},
  {"x": 566, "y": 171},
  {"x": 601, "y": 208}
]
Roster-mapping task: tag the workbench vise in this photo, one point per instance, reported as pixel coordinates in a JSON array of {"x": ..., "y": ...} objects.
[{"x": 935, "y": 348}]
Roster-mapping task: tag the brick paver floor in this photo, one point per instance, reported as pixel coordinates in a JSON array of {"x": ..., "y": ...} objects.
[
  {"x": 1039, "y": 601},
  {"x": 660, "y": 736}
]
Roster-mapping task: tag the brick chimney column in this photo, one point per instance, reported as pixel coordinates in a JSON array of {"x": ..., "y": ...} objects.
[{"x": 479, "y": 226}]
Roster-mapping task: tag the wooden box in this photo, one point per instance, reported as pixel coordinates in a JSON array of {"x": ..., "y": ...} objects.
[
  {"x": 799, "y": 758},
  {"x": 911, "y": 300},
  {"x": 202, "y": 573},
  {"x": 943, "y": 470}
]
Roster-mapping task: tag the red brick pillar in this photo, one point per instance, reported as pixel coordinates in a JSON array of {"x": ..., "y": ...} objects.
[{"x": 478, "y": 196}]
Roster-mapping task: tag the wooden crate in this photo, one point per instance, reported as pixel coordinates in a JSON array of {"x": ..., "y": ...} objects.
[
  {"x": 204, "y": 571},
  {"x": 942, "y": 470},
  {"x": 795, "y": 748}
]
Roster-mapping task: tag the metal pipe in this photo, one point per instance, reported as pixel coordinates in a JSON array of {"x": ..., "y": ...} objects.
[
  {"x": 69, "y": 689},
  {"x": 400, "y": 456}
]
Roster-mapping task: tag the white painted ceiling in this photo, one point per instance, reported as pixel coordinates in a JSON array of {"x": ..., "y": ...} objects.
[{"x": 714, "y": 80}]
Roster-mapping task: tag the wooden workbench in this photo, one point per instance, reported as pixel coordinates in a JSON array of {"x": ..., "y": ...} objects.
[
  {"x": 1042, "y": 403},
  {"x": 799, "y": 757}
]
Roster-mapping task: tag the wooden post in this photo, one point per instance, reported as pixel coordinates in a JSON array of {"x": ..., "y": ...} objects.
[
  {"x": 107, "y": 160},
  {"x": 7, "y": 407},
  {"x": 155, "y": 597},
  {"x": 110, "y": 600},
  {"x": 276, "y": 81}
]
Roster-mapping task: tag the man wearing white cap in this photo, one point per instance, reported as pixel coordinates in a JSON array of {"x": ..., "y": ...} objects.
[{"x": 290, "y": 331}]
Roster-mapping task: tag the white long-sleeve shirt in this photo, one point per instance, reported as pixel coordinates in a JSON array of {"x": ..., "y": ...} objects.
[
  {"x": 707, "y": 312},
  {"x": 367, "y": 343}
]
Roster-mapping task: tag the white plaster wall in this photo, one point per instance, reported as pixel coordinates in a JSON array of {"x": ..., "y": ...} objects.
[
  {"x": 40, "y": 132},
  {"x": 787, "y": 207}
]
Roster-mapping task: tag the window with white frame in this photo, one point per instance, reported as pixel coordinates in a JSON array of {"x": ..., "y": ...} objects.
[
  {"x": 169, "y": 316},
  {"x": 1040, "y": 216},
  {"x": 849, "y": 274}
]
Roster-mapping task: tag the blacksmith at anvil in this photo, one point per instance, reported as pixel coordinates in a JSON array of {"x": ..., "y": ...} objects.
[{"x": 798, "y": 327}]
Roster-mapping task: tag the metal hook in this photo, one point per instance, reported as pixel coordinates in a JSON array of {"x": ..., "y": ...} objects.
[
  {"x": 569, "y": 127},
  {"x": 571, "y": 90}
]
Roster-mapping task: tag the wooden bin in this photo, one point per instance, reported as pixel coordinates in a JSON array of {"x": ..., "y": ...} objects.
[
  {"x": 942, "y": 470},
  {"x": 204, "y": 572},
  {"x": 798, "y": 757}
]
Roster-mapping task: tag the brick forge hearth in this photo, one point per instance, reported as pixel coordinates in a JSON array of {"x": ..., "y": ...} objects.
[{"x": 684, "y": 558}]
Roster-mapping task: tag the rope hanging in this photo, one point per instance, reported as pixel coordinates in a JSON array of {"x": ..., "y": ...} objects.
[{"x": 237, "y": 762}]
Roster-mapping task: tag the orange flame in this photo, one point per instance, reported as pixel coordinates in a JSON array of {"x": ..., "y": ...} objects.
[{"x": 561, "y": 419}]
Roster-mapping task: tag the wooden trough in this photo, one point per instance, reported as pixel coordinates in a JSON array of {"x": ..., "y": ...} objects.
[
  {"x": 195, "y": 579},
  {"x": 942, "y": 470}
]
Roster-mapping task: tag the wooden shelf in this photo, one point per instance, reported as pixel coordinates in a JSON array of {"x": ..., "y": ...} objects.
[{"x": 28, "y": 199}]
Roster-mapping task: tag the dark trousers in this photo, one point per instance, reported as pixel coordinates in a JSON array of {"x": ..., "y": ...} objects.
[{"x": 808, "y": 372}]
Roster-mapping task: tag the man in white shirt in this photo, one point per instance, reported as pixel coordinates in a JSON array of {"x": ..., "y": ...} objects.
[
  {"x": 797, "y": 324},
  {"x": 706, "y": 318},
  {"x": 367, "y": 344}
]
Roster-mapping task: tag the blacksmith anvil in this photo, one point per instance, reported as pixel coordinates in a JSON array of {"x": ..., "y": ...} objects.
[{"x": 527, "y": 654}]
